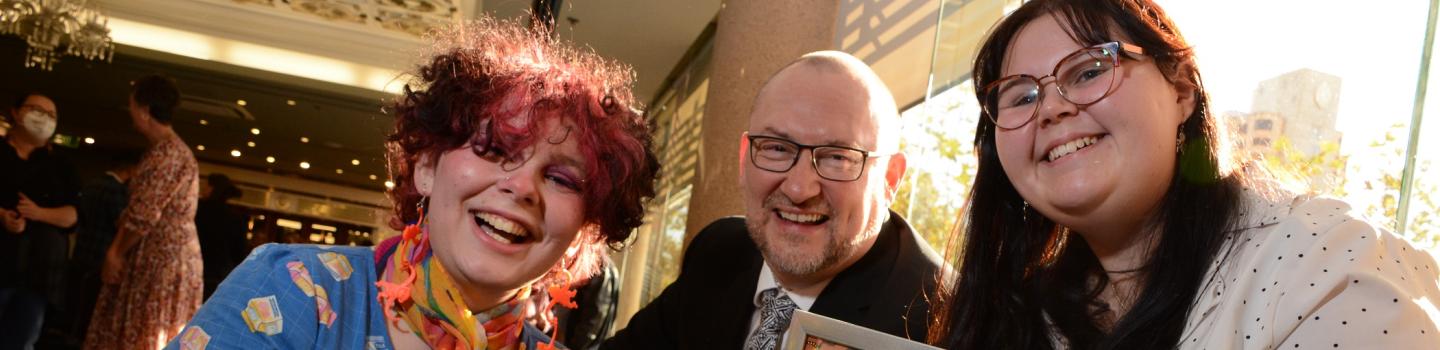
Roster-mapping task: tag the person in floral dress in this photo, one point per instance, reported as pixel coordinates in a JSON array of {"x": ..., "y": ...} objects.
[{"x": 152, "y": 271}]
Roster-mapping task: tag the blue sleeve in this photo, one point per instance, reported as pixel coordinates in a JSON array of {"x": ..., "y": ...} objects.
[{"x": 281, "y": 297}]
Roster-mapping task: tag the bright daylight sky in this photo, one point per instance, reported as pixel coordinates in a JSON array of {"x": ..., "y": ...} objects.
[{"x": 1374, "y": 47}]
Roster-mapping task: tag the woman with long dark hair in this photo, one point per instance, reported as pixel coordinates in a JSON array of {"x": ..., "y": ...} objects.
[{"x": 1107, "y": 213}]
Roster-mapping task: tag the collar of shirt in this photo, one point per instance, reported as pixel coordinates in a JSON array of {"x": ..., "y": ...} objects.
[{"x": 802, "y": 298}]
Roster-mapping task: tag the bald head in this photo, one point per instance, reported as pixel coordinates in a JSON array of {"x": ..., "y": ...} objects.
[
  {"x": 846, "y": 78},
  {"x": 824, "y": 163}
]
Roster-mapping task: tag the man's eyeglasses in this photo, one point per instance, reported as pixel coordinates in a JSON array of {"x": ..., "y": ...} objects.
[
  {"x": 37, "y": 108},
  {"x": 1083, "y": 77},
  {"x": 835, "y": 163}
]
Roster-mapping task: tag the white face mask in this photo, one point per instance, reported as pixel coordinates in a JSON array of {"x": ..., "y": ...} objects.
[{"x": 40, "y": 125}]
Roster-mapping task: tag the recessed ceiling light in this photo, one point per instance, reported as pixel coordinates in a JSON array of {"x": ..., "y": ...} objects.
[
  {"x": 240, "y": 102},
  {"x": 304, "y": 139},
  {"x": 354, "y": 162},
  {"x": 235, "y": 153},
  {"x": 250, "y": 143},
  {"x": 339, "y": 171},
  {"x": 200, "y": 147},
  {"x": 270, "y": 159},
  {"x": 89, "y": 140},
  {"x": 255, "y": 131},
  {"x": 204, "y": 122},
  {"x": 389, "y": 184},
  {"x": 290, "y": 102},
  {"x": 373, "y": 177},
  {"x": 304, "y": 165}
]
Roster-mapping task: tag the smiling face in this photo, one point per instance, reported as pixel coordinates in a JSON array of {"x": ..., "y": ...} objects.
[
  {"x": 804, "y": 225},
  {"x": 498, "y": 226},
  {"x": 1099, "y": 167}
]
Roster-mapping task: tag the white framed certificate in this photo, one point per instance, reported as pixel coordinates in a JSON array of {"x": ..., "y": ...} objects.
[{"x": 809, "y": 331}]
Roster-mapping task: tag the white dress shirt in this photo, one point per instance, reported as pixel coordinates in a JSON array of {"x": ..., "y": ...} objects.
[{"x": 803, "y": 298}]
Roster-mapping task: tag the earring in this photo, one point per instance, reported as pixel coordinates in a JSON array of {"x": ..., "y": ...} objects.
[
  {"x": 1180, "y": 139},
  {"x": 563, "y": 295}
]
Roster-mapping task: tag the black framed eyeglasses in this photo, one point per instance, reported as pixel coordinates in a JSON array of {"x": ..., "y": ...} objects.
[
  {"x": 1083, "y": 77},
  {"x": 37, "y": 108},
  {"x": 835, "y": 163}
]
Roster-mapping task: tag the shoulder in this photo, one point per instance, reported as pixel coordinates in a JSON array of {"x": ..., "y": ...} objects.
[
  {"x": 914, "y": 249},
  {"x": 287, "y": 295},
  {"x": 727, "y": 235},
  {"x": 1321, "y": 270},
  {"x": 302, "y": 264}
]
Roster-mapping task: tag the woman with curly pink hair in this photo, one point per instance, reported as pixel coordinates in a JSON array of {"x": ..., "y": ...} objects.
[{"x": 517, "y": 160}]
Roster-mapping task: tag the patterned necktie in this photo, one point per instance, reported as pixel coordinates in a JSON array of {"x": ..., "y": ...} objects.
[{"x": 775, "y": 314}]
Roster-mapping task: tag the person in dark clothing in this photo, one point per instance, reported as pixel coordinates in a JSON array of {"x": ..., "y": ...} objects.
[
  {"x": 221, "y": 228},
  {"x": 38, "y": 192},
  {"x": 585, "y": 327},
  {"x": 101, "y": 201}
]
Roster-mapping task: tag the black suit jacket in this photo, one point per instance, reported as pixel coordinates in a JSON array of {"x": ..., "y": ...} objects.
[{"x": 709, "y": 306}]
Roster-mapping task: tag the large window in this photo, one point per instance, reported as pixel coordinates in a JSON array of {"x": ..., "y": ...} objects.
[
  {"x": 1329, "y": 89},
  {"x": 653, "y": 259}
]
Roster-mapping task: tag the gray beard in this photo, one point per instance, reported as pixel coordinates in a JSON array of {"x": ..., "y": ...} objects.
[{"x": 801, "y": 263}]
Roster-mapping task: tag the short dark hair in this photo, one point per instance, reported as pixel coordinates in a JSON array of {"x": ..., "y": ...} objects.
[
  {"x": 127, "y": 157},
  {"x": 20, "y": 102},
  {"x": 158, "y": 95},
  {"x": 221, "y": 188},
  {"x": 21, "y": 98}
]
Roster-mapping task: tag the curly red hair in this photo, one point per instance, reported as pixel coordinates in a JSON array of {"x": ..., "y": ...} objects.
[{"x": 490, "y": 84}]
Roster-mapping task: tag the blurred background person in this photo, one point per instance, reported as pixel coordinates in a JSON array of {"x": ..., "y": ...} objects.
[
  {"x": 587, "y": 325},
  {"x": 38, "y": 192},
  {"x": 152, "y": 271},
  {"x": 101, "y": 202},
  {"x": 221, "y": 228}
]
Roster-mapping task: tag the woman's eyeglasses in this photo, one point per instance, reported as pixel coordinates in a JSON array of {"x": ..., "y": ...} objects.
[{"x": 1083, "y": 77}]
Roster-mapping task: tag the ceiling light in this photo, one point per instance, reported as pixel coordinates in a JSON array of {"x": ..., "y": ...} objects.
[
  {"x": 389, "y": 184},
  {"x": 235, "y": 153},
  {"x": 354, "y": 162},
  {"x": 89, "y": 140},
  {"x": 270, "y": 159},
  {"x": 373, "y": 177},
  {"x": 304, "y": 165},
  {"x": 290, "y": 102},
  {"x": 339, "y": 171},
  {"x": 204, "y": 122},
  {"x": 240, "y": 102},
  {"x": 251, "y": 144},
  {"x": 254, "y": 131},
  {"x": 304, "y": 139},
  {"x": 200, "y": 147}
]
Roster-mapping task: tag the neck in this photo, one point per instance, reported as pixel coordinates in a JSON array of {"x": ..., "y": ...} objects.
[
  {"x": 1123, "y": 254},
  {"x": 157, "y": 133},
  {"x": 22, "y": 143},
  {"x": 479, "y": 301}
]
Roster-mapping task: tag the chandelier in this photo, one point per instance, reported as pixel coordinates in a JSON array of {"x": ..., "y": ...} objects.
[{"x": 49, "y": 25}]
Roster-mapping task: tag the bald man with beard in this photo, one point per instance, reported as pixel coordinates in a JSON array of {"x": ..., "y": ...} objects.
[{"x": 820, "y": 170}]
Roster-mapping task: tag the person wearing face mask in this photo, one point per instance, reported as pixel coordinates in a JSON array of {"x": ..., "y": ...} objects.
[{"x": 38, "y": 193}]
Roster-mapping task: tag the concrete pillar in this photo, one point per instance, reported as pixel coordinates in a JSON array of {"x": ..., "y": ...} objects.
[{"x": 753, "y": 39}]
